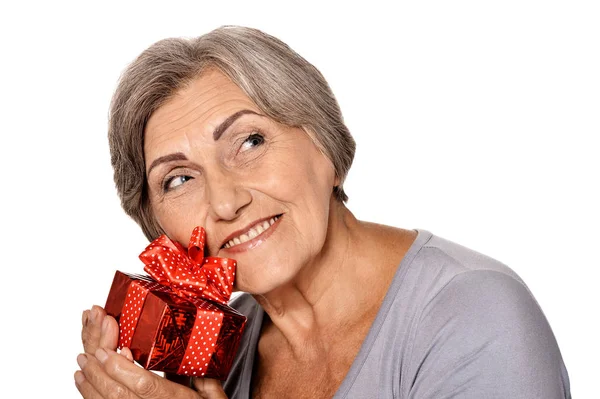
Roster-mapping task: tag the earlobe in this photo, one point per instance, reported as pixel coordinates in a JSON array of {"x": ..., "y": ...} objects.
[
  {"x": 336, "y": 185},
  {"x": 336, "y": 181}
]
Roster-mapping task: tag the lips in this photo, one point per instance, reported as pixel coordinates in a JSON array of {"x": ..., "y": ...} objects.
[{"x": 256, "y": 229}]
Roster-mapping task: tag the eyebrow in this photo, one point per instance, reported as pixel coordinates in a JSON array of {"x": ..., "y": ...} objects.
[
  {"x": 217, "y": 133},
  {"x": 177, "y": 156},
  {"x": 229, "y": 121}
]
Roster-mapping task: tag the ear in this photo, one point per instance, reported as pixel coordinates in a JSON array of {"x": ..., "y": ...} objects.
[{"x": 337, "y": 181}]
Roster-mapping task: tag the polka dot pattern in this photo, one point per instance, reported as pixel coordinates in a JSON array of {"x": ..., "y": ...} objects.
[
  {"x": 132, "y": 308},
  {"x": 189, "y": 273},
  {"x": 203, "y": 339},
  {"x": 134, "y": 301},
  {"x": 192, "y": 276}
]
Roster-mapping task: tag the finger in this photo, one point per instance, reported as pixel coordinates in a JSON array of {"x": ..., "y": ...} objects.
[
  {"x": 143, "y": 383},
  {"x": 85, "y": 317},
  {"x": 127, "y": 353},
  {"x": 100, "y": 381},
  {"x": 109, "y": 333},
  {"x": 84, "y": 387},
  {"x": 209, "y": 388},
  {"x": 92, "y": 329}
]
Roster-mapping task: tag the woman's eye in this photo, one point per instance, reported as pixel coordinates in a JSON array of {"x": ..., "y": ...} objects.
[
  {"x": 175, "y": 181},
  {"x": 254, "y": 140}
]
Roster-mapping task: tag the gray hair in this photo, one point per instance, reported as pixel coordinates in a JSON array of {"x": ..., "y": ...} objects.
[{"x": 284, "y": 86}]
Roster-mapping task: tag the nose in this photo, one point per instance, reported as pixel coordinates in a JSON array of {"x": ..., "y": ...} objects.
[{"x": 227, "y": 198}]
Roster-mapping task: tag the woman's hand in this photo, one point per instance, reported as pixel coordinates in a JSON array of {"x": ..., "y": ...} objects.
[
  {"x": 108, "y": 374},
  {"x": 98, "y": 330}
]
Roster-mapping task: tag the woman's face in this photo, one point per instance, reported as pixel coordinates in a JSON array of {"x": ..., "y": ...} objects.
[{"x": 262, "y": 190}]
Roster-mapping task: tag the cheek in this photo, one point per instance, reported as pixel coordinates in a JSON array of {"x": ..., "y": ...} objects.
[
  {"x": 179, "y": 220},
  {"x": 304, "y": 186},
  {"x": 296, "y": 247},
  {"x": 279, "y": 178},
  {"x": 299, "y": 175}
]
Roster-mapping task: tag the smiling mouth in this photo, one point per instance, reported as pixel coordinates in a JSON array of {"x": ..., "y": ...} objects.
[{"x": 252, "y": 232}]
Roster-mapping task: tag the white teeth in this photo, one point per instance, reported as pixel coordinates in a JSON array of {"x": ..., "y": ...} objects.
[{"x": 252, "y": 232}]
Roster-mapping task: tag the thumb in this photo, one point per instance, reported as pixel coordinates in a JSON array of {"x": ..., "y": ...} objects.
[{"x": 209, "y": 388}]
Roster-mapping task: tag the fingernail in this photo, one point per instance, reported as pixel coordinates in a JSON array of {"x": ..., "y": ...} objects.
[
  {"x": 101, "y": 355},
  {"x": 96, "y": 314},
  {"x": 79, "y": 378},
  {"x": 81, "y": 360},
  {"x": 127, "y": 353},
  {"x": 85, "y": 317}
]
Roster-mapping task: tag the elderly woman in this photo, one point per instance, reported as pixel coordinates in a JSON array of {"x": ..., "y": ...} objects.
[{"x": 236, "y": 132}]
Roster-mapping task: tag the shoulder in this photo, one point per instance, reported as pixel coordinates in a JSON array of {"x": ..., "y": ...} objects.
[
  {"x": 486, "y": 301},
  {"x": 443, "y": 255},
  {"x": 432, "y": 263},
  {"x": 477, "y": 321},
  {"x": 462, "y": 279},
  {"x": 483, "y": 293}
]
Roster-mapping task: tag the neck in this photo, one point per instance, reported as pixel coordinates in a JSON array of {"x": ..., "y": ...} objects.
[{"x": 324, "y": 297}]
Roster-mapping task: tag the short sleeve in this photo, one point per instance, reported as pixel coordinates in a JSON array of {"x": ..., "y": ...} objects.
[{"x": 483, "y": 335}]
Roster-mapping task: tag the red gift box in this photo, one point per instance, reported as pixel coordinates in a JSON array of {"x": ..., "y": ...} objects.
[{"x": 178, "y": 321}]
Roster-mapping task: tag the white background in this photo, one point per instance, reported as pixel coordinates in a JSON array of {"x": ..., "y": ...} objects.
[{"x": 475, "y": 120}]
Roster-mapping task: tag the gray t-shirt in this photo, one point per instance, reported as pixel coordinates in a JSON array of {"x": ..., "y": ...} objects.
[{"x": 454, "y": 324}]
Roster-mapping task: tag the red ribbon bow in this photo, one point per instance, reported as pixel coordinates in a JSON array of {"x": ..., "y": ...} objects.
[{"x": 189, "y": 273}]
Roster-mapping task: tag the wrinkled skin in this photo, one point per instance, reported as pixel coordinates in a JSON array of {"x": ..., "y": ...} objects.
[
  {"x": 222, "y": 185},
  {"x": 300, "y": 269},
  {"x": 107, "y": 374}
]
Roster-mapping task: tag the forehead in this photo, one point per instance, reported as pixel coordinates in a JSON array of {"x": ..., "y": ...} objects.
[{"x": 197, "y": 108}]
